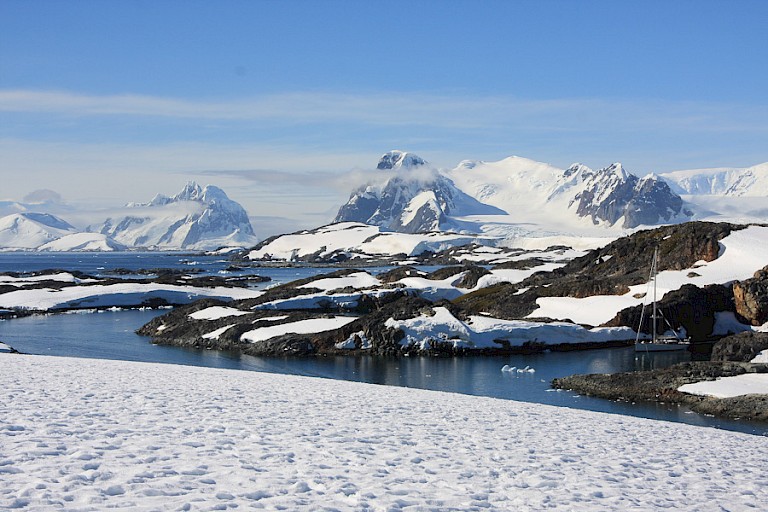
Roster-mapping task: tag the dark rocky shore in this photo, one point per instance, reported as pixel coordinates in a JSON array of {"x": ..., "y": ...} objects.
[{"x": 730, "y": 357}]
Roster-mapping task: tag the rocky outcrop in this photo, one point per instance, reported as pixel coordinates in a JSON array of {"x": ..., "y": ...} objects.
[
  {"x": 662, "y": 385},
  {"x": 471, "y": 274},
  {"x": 744, "y": 346},
  {"x": 690, "y": 307},
  {"x": 751, "y": 298},
  {"x": 610, "y": 270}
]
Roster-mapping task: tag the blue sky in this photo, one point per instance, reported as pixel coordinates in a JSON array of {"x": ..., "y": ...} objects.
[{"x": 276, "y": 102}]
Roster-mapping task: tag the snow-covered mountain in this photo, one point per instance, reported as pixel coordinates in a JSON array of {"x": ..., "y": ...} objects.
[
  {"x": 82, "y": 242},
  {"x": 610, "y": 196},
  {"x": 413, "y": 198},
  {"x": 30, "y": 230},
  {"x": 735, "y": 182},
  {"x": 517, "y": 197},
  {"x": 197, "y": 218}
]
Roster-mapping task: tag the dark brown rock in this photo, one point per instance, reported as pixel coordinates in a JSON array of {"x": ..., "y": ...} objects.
[
  {"x": 751, "y": 298},
  {"x": 690, "y": 307}
]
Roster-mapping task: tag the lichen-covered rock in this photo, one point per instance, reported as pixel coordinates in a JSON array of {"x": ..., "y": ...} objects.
[{"x": 751, "y": 297}]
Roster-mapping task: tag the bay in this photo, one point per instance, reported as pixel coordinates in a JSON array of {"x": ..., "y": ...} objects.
[{"x": 111, "y": 335}]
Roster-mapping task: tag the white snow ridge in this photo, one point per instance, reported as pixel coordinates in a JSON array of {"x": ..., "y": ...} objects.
[{"x": 82, "y": 434}]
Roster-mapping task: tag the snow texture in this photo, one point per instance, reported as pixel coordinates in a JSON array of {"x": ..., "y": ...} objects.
[
  {"x": 80, "y": 434},
  {"x": 725, "y": 387}
]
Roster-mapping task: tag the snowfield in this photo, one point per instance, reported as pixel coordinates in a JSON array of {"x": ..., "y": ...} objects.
[{"x": 80, "y": 434}]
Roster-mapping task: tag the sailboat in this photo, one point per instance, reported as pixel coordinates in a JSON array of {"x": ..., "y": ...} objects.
[{"x": 658, "y": 342}]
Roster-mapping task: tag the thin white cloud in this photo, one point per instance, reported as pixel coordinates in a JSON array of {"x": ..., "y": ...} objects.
[{"x": 442, "y": 111}]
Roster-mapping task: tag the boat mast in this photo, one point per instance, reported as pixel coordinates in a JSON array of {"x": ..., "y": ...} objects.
[{"x": 653, "y": 272}]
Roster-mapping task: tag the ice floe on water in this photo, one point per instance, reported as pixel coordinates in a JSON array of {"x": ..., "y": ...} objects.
[{"x": 80, "y": 434}]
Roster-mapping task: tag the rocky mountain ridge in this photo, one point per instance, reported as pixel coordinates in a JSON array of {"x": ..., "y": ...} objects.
[
  {"x": 415, "y": 197},
  {"x": 418, "y": 198},
  {"x": 458, "y": 301}
]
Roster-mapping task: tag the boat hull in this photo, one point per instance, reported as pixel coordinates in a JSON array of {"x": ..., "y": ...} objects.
[{"x": 661, "y": 347}]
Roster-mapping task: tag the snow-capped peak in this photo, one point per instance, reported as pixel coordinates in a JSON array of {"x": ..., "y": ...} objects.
[
  {"x": 29, "y": 230},
  {"x": 395, "y": 159},
  {"x": 617, "y": 169},
  {"x": 191, "y": 192},
  {"x": 195, "y": 218}
]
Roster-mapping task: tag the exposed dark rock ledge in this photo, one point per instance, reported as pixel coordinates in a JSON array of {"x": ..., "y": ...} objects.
[
  {"x": 610, "y": 270},
  {"x": 661, "y": 385},
  {"x": 744, "y": 346}
]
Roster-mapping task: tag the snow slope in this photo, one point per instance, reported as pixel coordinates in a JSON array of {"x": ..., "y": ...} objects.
[
  {"x": 482, "y": 332},
  {"x": 726, "y": 387},
  {"x": 360, "y": 240},
  {"x": 81, "y": 434},
  {"x": 31, "y": 230},
  {"x": 83, "y": 242}
]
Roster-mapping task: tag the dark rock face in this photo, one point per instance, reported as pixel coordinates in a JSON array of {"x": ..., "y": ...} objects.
[
  {"x": 399, "y": 273},
  {"x": 609, "y": 270},
  {"x": 652, "y": 202},
  {"x": 690, "y": 307},
  {"x": 751, "y": 297},
  {"x": 469, "y": 280},
  {"x": 612, "y": 193},
  {"x": 744, "y": 346}
]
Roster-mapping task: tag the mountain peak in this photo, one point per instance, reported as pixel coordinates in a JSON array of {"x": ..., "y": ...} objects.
[
  {"x": 191, "y": 192},
  {"x": 618, "y": 170},
  {"x": 396, "y": 159}
]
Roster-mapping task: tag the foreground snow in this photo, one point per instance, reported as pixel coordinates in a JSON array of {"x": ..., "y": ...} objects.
[{"x": 83, "y": 434}]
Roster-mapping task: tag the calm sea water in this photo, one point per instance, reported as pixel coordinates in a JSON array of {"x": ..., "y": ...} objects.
[{"x": 111, "y": 335}]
